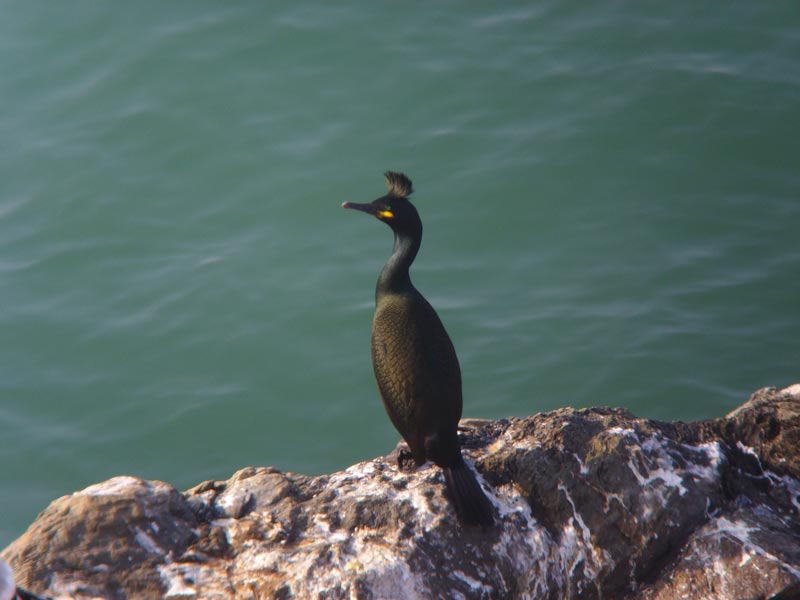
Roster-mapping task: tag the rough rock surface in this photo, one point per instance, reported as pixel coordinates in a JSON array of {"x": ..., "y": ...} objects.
[{"x": 592, "y": 503}]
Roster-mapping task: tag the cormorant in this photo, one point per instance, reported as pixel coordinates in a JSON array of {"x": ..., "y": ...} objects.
[{"x": 414, "y": 360}]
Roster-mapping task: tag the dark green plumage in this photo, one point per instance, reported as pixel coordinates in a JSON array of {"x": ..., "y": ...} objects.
[{"x": 415, "y": 364}]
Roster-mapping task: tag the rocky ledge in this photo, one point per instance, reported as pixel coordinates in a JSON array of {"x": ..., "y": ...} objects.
[{"x": 591, "y": 503}]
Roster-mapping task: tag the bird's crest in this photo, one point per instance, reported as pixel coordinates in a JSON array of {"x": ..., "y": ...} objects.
[{"x": 399, "y": 185}]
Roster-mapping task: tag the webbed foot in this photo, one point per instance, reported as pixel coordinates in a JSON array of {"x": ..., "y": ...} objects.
[{"x": 405, "y": 460}]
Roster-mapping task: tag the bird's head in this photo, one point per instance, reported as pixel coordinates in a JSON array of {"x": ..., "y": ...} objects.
[{"x": 394, "y": 208}]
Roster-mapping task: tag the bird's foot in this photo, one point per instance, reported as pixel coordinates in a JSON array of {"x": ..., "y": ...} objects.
[{"x": 405, "y": 460}]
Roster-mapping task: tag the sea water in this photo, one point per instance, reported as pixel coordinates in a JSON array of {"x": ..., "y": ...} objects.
[{"x": 610, "y": 195}]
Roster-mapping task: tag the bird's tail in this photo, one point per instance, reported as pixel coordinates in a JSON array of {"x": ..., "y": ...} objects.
[{"x": 471, "y": 504}]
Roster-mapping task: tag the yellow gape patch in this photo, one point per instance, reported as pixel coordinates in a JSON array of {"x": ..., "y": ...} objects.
[{"x": 386, "y": 214}]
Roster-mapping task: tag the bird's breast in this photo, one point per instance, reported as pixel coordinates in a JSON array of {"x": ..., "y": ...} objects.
[{"x": 412, "y": 353}]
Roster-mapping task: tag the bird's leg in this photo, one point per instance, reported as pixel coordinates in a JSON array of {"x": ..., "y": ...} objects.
[
  {"x": 405, "y": 460},
  {"x": 404, "y": 457}
]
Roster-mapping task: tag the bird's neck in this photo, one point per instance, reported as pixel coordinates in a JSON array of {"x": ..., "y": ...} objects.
[{"x": 394, "y": 277}]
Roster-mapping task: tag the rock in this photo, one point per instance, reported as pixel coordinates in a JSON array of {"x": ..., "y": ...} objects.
[
  {"x": 7, "y": 586},
  {"x": 591, "y": 503},
  {"x": 9, "y": 589}
]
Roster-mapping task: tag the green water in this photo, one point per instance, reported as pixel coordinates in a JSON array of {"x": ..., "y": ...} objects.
[{"x": 609, "y": 192}]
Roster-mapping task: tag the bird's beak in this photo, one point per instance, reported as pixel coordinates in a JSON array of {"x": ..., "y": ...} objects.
[
  {"x": 367, "y": 208},
  {"x": 370, "y": 209}
]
